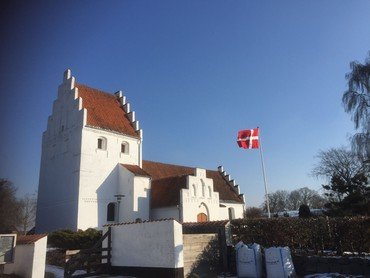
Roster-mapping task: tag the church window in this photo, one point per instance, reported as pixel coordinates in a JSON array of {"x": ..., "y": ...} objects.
[
  {"x": 231, "y": 213},
  {"x": 194, "y": 190},
  {"x": 111, "y": 211},
  {"x": 124, "y": 147},
  {"x": 102, "y": 143},
  {"x": 203, "y": 188}
]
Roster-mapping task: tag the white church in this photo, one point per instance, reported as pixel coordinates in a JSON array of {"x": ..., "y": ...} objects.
[{"x": 93, "y": 173}]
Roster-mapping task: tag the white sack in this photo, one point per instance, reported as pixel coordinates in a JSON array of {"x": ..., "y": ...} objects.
[
  {"x": 248, "y": 260},
  {"x": 279, "y": 263}
]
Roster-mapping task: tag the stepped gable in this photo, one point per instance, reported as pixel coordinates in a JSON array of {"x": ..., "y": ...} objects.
[
  {"x": 169, "y": 179},
  {"x": 104, "y": 111}
]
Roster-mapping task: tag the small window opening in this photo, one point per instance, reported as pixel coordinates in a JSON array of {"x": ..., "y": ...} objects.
[
  {"x": 231, "y": 213},
  {"x": 102, "y": 143},
  {"x": 124, "y": 147},
  {"x": 111, "y": 211}
]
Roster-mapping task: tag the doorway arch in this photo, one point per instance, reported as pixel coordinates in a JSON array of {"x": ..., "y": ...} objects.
[
  {"x": 202, "y": 217},
  {"x": 203, "y": 213}
]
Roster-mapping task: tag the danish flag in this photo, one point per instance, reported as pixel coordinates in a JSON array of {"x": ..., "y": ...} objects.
[{"x": 248, "y": 139}]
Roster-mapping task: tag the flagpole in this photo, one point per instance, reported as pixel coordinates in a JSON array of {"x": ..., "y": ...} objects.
[{"x": 264, "y": 177}]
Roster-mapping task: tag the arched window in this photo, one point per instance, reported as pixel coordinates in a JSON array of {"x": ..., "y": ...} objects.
[
  {"x": 102, "y": 143},
  {"x": 194, "y": 190},
  {"x": 124, "y": 147},
  {"x": 209, "y": 191},
  {"x": 111, "y": 212},
  {"x": 231, "y": 213},
  {"x": 203, "y": 188}
]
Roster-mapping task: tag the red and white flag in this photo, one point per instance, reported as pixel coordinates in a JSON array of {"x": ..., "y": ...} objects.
[{"x": 248, "y": 139}]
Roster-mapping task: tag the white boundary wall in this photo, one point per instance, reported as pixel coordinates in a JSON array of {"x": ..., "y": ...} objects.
[
  {"x": 157, "y": 244},
  {"x": 29, "y": 260}
]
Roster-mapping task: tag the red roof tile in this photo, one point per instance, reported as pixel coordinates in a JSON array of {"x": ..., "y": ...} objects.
[
  {"x": 138, "y": 222},
  {"x": 104, "y": 111},
  {"x": 169, "y": 179},
  {"x": 30, "y": 239},
  {"x": 136, "y": 170}
]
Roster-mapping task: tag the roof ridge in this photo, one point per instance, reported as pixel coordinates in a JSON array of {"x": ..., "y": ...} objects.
[{"x": 171, "y": 164}]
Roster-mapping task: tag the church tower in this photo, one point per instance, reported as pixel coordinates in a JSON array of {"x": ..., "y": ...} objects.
[{"x": 89, "y": 135}]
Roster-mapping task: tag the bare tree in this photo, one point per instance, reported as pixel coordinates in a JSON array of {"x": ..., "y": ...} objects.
[
  {"x": 305, "y": 196},
  {"x": 283, "y": 200},
  {"x": 253, "y": 212},
  {"x": 347, "y": 185},
  {"x": 9, "y": 207},
  {"x": 27, "y": 213},
  {"x": 340, "y": 164},
  {"x": 278, "y": 201},
  {"x": 356, "y": 100}
]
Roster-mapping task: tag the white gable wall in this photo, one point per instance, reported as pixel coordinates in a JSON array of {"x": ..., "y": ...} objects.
[
  {"x": 199, "y": 197},
  {"x": 99, "y": 178},
  {"x": 60, "y": 162},
  {"x": 135, "y": 204}
]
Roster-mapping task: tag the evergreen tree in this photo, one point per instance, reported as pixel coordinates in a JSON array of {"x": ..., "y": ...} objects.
[{"x": 304, "y": 211}]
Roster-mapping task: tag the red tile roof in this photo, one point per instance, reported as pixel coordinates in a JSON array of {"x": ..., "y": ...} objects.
[
  {"x": 138, "y": 222},
  {"x": 30, "y": 239},
  {"x": 169, "y": 179},
  {"x": 104, "y": 111},
  {"x": 136, "y": 170}
]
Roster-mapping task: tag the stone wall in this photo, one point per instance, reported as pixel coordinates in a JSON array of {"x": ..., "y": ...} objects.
[
  {"x": 201, "y": 255},
  {"x": 344, "y": 265}
]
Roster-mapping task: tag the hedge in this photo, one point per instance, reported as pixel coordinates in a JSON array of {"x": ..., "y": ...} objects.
[
  {"x": 67, "y": 239},
  {"x": 309, "y": 235}
]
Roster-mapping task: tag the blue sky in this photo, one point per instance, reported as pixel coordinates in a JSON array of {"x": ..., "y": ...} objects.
[{"x": 195, "y": 72}]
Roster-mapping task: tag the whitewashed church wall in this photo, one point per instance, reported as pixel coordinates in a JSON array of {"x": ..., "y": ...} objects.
[
  {"x": 199, "y": 197},
  {"x": 238, "y": 210},
  {"x": 99, "y": 178},
  {"x": 165, "y": 213},
  {"x": 141, "y": 201},
  {"x": 135, "y": 204},
  {"x": 60, "y": 162},
  {"x": 151, "y": 244},
  {"x": 126, "y": 185}
]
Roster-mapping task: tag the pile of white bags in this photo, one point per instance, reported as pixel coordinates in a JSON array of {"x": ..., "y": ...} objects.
[
  {"x": 249, "y": 260},
  {"x": 278, "y": 261}
]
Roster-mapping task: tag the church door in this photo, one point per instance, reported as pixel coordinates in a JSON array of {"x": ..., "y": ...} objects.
[{"x": 202, "y": 217}]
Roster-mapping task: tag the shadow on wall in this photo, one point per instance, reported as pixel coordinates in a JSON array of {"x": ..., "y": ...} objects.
[
  {"x": 207, "y": 264},
  {"x": 105, "y": 195},
  {"x": 178, "y": 250},
  {"x": 142, "y": 211}
]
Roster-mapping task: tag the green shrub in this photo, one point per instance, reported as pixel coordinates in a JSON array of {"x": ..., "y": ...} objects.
[
  {"x": 306, "y": 234},
  {"x": 67, "y": 239}
]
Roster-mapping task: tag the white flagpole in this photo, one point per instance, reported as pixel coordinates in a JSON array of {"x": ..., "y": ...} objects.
[{"x": 264, "y": 176}]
